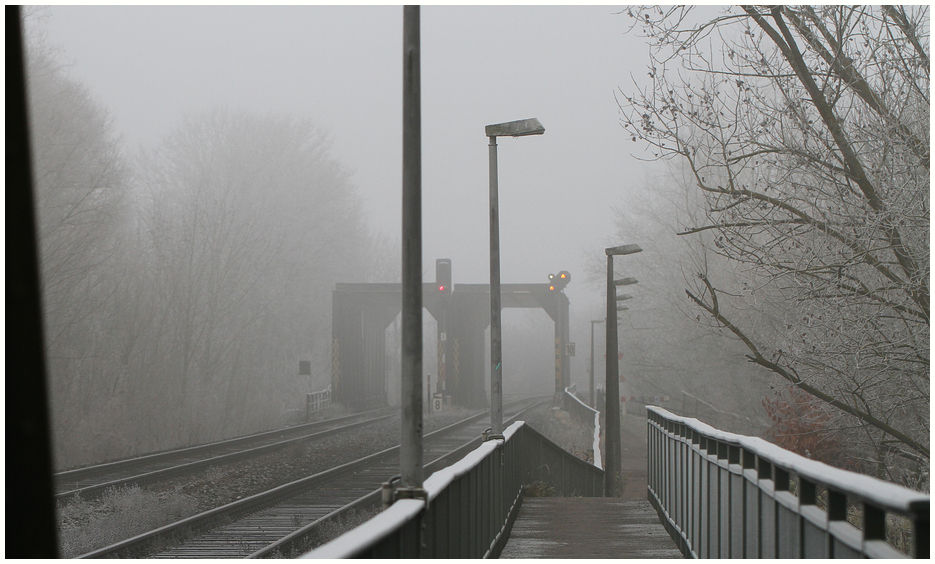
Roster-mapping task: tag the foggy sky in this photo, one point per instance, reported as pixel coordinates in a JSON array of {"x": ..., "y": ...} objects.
[{"x": 342, "y": 67}]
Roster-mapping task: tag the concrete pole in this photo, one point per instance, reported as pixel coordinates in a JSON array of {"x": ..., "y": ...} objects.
[
  {"x": 566, "y": 337},
  {"x": 410, "y": 450},
  {"x": 496, "y": 370},
  {"x": 612, "y": 387},
  {"x": 591, "y": 373},
  {"x": 558, "y": 394}
]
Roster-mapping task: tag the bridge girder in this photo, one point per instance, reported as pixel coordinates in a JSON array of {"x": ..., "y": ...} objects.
[{"x": 362, "y": 312}]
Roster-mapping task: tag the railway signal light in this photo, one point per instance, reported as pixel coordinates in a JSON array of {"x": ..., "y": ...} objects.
[
  {"x": 559, "y": 281},
  {"x": 443, "y": 275}
]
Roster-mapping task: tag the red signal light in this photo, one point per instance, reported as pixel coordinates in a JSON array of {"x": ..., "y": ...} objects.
[{"x": 441, "y": 288}]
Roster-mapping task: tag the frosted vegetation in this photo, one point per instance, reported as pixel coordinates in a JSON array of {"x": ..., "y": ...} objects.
[{"x": 182, "y": 284}]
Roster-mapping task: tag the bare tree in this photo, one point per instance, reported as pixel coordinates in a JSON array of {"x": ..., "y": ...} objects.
[
  {"x": 807, "y": 130},
  {"x": 181, "y": 293},
  {"x": 81, "y": 181},
  {"x": 249, "y": 225},
  {"x": 665, "y": 351}
]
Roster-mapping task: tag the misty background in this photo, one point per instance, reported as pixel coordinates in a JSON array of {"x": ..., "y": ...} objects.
[{"x": 236, "y": 162}]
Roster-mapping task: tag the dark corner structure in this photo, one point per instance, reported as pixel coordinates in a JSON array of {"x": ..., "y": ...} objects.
[
  {"x": 30, "y": 510},
  {"x": 362, "y": 312}
]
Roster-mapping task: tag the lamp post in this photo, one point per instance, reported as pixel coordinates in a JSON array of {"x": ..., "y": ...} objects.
[
  {"x": 519, "y": 128},
  {"x": 591, "y": 373},
  {"x": 410, "y": 446},
  {"x": 612, "y": 408},
  {"x": 623, "y": 282}
]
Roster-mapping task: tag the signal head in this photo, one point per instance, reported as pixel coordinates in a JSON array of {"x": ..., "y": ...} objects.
[
  {"x": 443, "y": 275},
  {"x": 559, "y": 281}
]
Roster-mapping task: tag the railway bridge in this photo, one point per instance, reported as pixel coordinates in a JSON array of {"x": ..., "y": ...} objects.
[
  {"x": 361, "y": 314},
  {"x": 716, "y": 494}
]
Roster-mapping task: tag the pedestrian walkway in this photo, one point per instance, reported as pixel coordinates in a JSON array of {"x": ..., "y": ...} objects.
[
  {"x": 597, "y": 527},
  {"x": 588, "y": 527}
]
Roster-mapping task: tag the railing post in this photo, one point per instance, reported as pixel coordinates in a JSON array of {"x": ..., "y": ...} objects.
[
  {"x": 787, "y": 522},
  {"x": 768, "y": 530},
  {"x": 921, "y": 531},
  {"x": 751, "y": 502},
  {"x": 814, "y": 537},
  {"x": 737, "y": 506},
  {"x": 724, "y": 500},
  {"x": 697, "y": 488},
  {"x": 687, "y": 476},
  {"x": 874, "y": 527},
  {"x": 837, "y": 514}
]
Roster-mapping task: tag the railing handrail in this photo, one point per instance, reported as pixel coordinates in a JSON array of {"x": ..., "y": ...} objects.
[
  {"x": 596, "y": 446},
  {"x": 327, "y": 390},
  {"x": 470, "y": 505},
  {"x": 885, "y": 495},
  {"x": 370, "y": 532},
  {"x": 404, "y": 510},
  {"x": 570, "y": 391}
]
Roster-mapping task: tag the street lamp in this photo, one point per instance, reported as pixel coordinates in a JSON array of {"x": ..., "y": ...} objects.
[
  {"x": 591, "y": 373},
  {"x": 410, "y": 446},
  {"x": 612, "y": 408},
  {"x": 519, "y": 128}
]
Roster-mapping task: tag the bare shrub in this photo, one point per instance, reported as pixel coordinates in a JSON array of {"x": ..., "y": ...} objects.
[{"x": 120, "y": 514}]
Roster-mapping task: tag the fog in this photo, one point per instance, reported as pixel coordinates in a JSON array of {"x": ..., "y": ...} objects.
[
  {"x": 168, "y": 77},
  {"x": 341, "y": 67}
]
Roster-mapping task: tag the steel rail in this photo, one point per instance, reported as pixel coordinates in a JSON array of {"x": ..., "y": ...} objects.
[
  {"x": 231, "y": 512},
  {"x": 116, "y": 466},
  {"x": 295, "y": 540},
  {"x": 228, "y": 458}
]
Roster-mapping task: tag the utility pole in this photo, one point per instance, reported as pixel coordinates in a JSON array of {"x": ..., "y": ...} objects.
[
  {"x": 410, "y": 449},
  {"x": 612, "y": 408}
]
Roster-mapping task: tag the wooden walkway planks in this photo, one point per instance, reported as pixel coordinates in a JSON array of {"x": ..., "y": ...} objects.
[{"x": 588, "y": 527}]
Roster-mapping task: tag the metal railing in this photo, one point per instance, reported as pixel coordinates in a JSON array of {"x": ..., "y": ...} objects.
[
  {"x": 317, "y": 400},
  {"x": 587, "y": 415},
  {"x": 723, "y": 495},
  {"x": 471, "y": 505}
]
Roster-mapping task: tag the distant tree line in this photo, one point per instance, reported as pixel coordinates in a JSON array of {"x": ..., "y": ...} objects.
[
  {"x": 805, "y": 130},
  {"x": 182, "y": 285}
]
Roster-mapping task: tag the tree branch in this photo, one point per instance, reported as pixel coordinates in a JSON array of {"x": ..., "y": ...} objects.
[{"x": 757, "y": 358}]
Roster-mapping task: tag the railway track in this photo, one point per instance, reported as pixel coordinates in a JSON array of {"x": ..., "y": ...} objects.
[
  {"x": 92, "y": 481},
  {"x": 288, "y": 517}
]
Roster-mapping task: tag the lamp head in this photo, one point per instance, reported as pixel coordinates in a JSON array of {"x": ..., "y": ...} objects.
[
  {"x": 518, "y": 128},
  {"x": 623, "y": 250}
]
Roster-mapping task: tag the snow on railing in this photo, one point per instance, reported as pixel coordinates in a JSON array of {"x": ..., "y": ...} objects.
[
  {"x": 394, "y": 519},
  {"x": 581, "y": 406},
  {"x": 470, "y": 505},
  {"x": 723, "y": 495}
]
